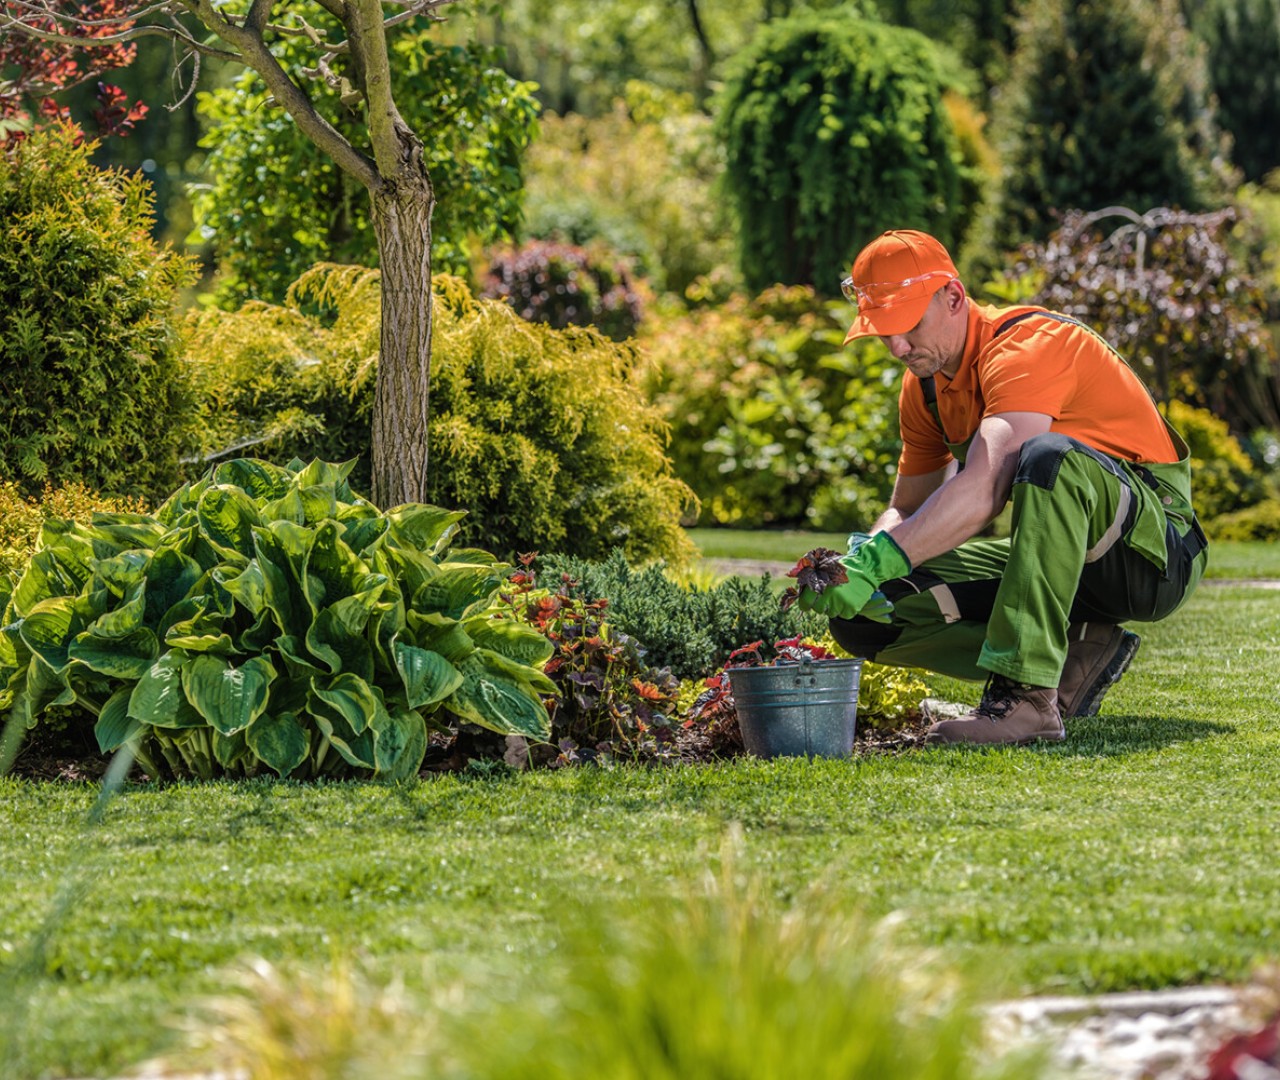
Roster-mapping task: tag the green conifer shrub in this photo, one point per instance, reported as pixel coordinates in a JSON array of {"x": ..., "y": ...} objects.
[
  {"x": 1107, "y": 104},
  {"x": 539, "y": 432},
  {"x": 689, "y": 631},
  {"x": 1243, "y": 38},
  {"x": 91, "y": 385},
  {"x": 835, "y": 129}
]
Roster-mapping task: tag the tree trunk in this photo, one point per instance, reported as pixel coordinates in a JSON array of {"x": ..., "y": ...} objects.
[{"x": 402, "y": 222}]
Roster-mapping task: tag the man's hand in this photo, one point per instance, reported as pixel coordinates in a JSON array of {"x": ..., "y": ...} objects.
[{"x": 871, "y": 563}]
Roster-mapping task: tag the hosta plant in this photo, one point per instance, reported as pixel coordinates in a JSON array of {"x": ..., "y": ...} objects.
[{"x": 268, "y": 618}]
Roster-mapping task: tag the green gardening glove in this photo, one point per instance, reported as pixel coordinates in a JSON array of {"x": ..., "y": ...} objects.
[{"x": 874, "y": 562}]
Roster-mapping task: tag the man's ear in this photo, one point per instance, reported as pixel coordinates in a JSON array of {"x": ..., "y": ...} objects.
[{"x": 955, "y": 296}]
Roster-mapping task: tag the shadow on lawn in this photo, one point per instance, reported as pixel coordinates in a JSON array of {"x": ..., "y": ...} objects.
[{"x": 1113, "y": 736}]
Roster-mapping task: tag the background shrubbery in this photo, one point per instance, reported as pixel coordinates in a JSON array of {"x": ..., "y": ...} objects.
[
  {"x": 537, "y": 433},
  {"x": 90, "y": 378},
  {"x": 771, "y": 419}
]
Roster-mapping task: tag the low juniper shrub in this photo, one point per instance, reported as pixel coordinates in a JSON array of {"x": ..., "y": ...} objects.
[{"x": 690, "y": 631}]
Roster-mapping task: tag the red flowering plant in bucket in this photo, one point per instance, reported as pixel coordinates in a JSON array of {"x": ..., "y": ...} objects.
[
  {"x": 715, "y": 709},
  {"x": 610, "y": 702}
]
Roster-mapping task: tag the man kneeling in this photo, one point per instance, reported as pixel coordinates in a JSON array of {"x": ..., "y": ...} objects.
[{"x": 1018, "y": 405}]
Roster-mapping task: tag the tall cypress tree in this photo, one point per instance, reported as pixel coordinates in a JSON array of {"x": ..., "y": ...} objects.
[
  {"x": 1244, "y": 69},
  {"x": 1105, "y": 107}
]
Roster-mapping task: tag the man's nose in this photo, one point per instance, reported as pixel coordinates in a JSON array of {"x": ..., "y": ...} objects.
[{"x": 898, "y": 345}]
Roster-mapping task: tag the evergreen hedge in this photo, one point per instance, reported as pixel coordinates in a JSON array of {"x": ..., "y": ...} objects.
[
  {"x": 91, "y": 384},
  {"x": 835, "y": 130}
]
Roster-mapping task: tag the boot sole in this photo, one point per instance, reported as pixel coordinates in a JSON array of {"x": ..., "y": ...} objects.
[{"x": 1110, "y": 675}]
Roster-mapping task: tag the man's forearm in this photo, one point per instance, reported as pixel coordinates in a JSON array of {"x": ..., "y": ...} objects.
[{"x": 956, "y": 512}]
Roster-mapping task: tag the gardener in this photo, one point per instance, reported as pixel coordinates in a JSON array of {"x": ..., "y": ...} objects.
[{"x": 1001, "y": 404}]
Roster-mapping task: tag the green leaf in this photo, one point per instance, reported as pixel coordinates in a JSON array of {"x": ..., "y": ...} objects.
[
  {"x": 289, "y": 507},
  {"x": 361, "y": 533},
  {"x": 280, "y": 742},
  {"x": 399, "y": 744},
  {"x": 195, "y": 642},
  {"x": 338, "y": 638},
  {"x": 227, "y": 518},
  {"x": 514, "y": 640},
  {"x": 49, "y": 629},
  {"x": 122, "y": 572},
  {"x": 280, "y": 560},
  {"x": 324, "y": 472},
  {"x": 248, "y": 588},
  {"x": 260, "y": 479},
  {"x": 170, "y": 577},
  {"x": 457, "y": 588},
  {"x": 332, "y": 570},
  {"x": 319, "y": 503},
  {"x": 230, "y": 698},
  {"x": 115, "y": 726},
  {"x": 126, "y": 618},
  {"x": 440, "y": 634},
  {"x": 158, "y": 699},
  {"x": 127, "y": 657},
  {"x": 423, "y": 527},
  {"x": 47, "y": 575},
  {"x": 427, "y": 676},
  {"x": 228, "y": 750},
  {"x": 125, "y": 530},
  {"x": 350, "y": 697},
  {"x": 489, "y": 697}
]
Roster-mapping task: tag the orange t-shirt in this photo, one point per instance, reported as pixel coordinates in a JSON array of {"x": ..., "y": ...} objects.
[{"x": 1038, "y": 365}]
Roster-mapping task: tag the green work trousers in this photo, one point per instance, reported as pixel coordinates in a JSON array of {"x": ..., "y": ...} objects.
[{"x": 1003, "y": 606}]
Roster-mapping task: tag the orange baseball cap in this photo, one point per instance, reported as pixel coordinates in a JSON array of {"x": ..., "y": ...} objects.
[{"x": 894, "y": 278}]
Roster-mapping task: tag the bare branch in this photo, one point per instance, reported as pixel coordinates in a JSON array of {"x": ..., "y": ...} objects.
[
  {"x": 8, "y": 22},
  {"x": 59, "y": 17}
]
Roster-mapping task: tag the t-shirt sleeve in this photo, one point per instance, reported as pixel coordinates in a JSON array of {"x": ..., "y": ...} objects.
[
  {"x": 923, "y": 448},
  {"x": 1027, "y": 370}
]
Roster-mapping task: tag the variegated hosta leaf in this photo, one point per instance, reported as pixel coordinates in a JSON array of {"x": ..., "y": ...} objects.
[
  {"x": 490, "y": 697},
  {"x": 229, "y": 697}
]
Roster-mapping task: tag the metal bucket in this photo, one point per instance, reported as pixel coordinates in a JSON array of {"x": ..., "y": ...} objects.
[{"x": 808, "y": 709}]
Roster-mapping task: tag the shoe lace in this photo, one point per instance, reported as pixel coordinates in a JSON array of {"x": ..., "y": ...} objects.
[{"x": 999, "y": 696}]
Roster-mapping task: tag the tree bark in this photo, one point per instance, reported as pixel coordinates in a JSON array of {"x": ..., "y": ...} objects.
[{"x": 402, "y": 223}]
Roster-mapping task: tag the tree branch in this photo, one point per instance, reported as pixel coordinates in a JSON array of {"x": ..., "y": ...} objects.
[
  {"x": 254, "y": 53},
  {"x": 8, "y": 22}
]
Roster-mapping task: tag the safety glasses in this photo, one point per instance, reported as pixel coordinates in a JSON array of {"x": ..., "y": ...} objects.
[{"x": 886, "y": 293}]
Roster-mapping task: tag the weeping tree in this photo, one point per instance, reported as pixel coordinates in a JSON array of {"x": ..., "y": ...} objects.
[{"x": 348, "y": 44}]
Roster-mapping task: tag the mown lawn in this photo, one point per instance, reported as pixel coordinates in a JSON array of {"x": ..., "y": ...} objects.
[
  {"x": 1139, "y": 853},
  {"x": 1229, "y": 560}
]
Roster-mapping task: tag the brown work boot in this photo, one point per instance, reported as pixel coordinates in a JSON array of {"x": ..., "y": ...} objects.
[
  {"x": 1010, "y": 712},
  {"x": 1097, "y": 655}
]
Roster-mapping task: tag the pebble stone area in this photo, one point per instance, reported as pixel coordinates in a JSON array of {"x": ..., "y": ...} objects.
[{"x": 1157, "y": 1035}]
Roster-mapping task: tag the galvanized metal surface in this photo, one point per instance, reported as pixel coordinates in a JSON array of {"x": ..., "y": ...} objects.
[{"x": 798, "y": 710}]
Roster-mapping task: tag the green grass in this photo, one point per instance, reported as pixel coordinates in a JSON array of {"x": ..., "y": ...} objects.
[
  {"x": 776, "y": 545},
  {"x": 1228, "y": 559},
  {"x": 1231, "y": 559},
  {"x": 1139, "y": 853}
]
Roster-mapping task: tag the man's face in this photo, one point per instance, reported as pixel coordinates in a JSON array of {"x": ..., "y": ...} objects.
[{"x": 932, "y": 345}]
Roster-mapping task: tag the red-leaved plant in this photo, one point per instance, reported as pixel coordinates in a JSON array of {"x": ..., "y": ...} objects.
[
  {"x": 818, "y": 569},
  {"x": 610, "y": 702}
]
